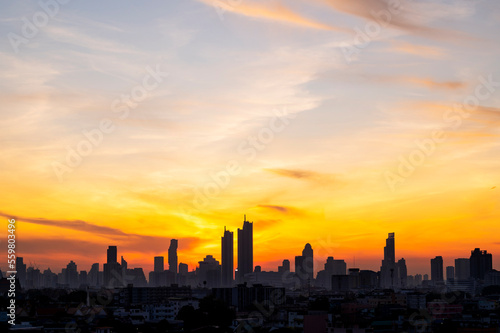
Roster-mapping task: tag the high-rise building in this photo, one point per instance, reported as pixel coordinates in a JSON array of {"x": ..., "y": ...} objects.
[
  {"x": 159, "y": 264},
  {"x": 227, "y": 258},
  {"x": 245, "y": 250},
  {"x": 450, "y": 273},
  {"x": 437, "y": 269},
  {"x": 481, "y": 262},
  {"x": 112, "y": 255},
  {"x": 332, "y": 267},
  {"x": 112, "y": 270},
  {"x": 124, "y": 264},
  {"x": 83, "y": 278},
  {"x": 21, "y": 271},
  {"x": 71, "y": 277},
  {"x": 172, "y": 256},
  {"x": 183, "y": 274},
  {"x": 389, "y": 271},
  {"x": 209, "y": 272},
  {"x": 93, "y": 276},
  {"x": 183, "y": 269},
  {"x": 462, "y": 269},
  {"x": 304, "y": 265},
  {"x": 402, "y": 272},
  {"x": 285, "y": 267}
]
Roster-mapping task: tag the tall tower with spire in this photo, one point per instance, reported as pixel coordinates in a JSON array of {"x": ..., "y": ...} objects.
[{"x": 245, "y": 250}]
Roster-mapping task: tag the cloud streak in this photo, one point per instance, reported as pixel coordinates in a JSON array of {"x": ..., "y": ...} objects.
[
  {"x": 280, "y": 209},
  {"x": 274, "y": 11},
  {"x": 399, "y": 15},
  {"x": 144, "y": 242},
  {"x": 303, "y": 175}
]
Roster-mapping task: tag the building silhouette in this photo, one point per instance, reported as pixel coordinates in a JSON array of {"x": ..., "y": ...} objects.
[
  {"x": 209, "y": 272},
  {"x": 332, "y": 267},
  {"x": 450, "y": 273},
  {"x": 172, "y": 256},
  {"x": 285, "y": 266},
  {"x": 402, "y": 272},
  {"x": 462, "y": 269},
  {"x": 245, "y": 250},
  {"x": 437, "y": 270},
  {"x": 481, "y": 262},
  {"x": 183, "y": 274},
  {"x": 21, "y": 271},
  {"x": 71, "y": 275},
  {"x": 304, "y": 265},
  {"x": 93, "y": 276},
  {"x": 111, "y": 269},
  {"x": 227, "y": 258},
  {"x": 159, "y": 265},
  {"x": 388, "y": 271},
  {"x": 112, "y": 254}
]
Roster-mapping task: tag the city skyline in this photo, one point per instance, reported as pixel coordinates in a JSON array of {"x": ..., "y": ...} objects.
[{"x": 229, "y": 246}]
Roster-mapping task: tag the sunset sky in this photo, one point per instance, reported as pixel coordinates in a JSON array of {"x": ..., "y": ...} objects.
[{"x": 327, "y": 122}]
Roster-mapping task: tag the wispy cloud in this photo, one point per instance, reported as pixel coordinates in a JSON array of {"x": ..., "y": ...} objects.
[
  {"x": 419, "y": 50},
  {"x": 275, "y": 11},
  {"x": 280, "y": 209},
  {"x": 404, "y": 17},
  {"x": 78, "y": 225},
  {"x": 131, "y": 240},
  {"x": 304, "y": 175}
]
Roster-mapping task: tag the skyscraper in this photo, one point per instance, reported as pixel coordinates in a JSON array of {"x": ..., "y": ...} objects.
[
  {"x": 21, "y": 271},
  {"x": 304, "y": 265},
  {"x": 71, "y": 277},
  {"x": 111, "y": 269},
  {"x": 462, "y": 269},
  {"x": 437, "y": 269},
  {"x": 112, "y": 256},
  {"x": 308, "y": 263},
  {"x": 93, "y": 276},
  {"x": 183, "y": 268},
  {"x": 227, "y": 258},
  {"x": 285, "y": 267},
  {"x": 388, "y": 271},
  {"x": 402, "y": 272},
  {"x": 450, "y": 273},
  {"x": 172, "y": 256},
  {"x": 159, "y": 264},
  {"x": 245, "y": 250},
  {"x": 480, "y": 263}
]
